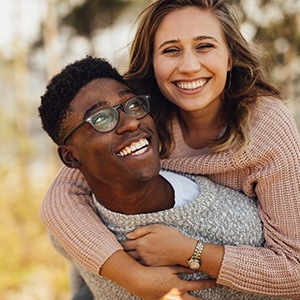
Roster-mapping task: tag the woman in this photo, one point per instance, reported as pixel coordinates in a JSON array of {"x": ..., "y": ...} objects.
[{"x": 218, "y": 115}]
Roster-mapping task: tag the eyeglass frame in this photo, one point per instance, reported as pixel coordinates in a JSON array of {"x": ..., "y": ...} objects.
[{"x": 89, "y": 119}]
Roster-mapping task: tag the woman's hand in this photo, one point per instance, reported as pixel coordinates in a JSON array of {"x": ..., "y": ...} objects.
[
  {"x": 151, "y": 283},
  {"x": 159, "y": 245},
  {"x": 163, "y": 283}
]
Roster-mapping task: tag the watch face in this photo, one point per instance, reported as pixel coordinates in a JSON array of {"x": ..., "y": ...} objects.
[{"x": 194, "y": 264}]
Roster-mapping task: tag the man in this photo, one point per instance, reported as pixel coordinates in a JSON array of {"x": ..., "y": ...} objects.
[{"x": 117, "y": 152}]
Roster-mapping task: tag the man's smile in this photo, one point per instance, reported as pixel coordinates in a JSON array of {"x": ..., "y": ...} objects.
[{"x": 135, "y": 148}]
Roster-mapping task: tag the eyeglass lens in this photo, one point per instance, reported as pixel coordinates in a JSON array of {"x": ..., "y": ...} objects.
[{"x": 106, "y": 119}]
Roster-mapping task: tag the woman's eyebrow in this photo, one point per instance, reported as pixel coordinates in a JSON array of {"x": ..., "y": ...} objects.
[
  {"x": 168, "y": 42},
  {"x": 197, "y": 38},
  {"x": 205, "y": 37}
]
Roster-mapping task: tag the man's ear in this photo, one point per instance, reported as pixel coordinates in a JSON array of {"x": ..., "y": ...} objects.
[{"x": 67, "y": 157}]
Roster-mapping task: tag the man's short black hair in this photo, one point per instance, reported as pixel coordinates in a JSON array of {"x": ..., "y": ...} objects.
[{"x": 63, "y": 87}]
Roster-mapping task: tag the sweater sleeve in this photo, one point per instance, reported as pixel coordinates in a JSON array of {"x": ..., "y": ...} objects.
[
  {"x": 68, "y": 213},
  {"x": 270, "y": 168},
  {"x": 275, "y": 178}
]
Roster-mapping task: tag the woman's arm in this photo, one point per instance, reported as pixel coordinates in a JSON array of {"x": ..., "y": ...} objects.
[
  {"x": 151, "y": 282},
  {"x": 270, "y": 167},
  {"x": 275, "y": 178},
  {"x": 68, "y": 214}
]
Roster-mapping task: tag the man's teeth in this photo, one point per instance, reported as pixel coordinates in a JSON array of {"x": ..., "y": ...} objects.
[
  {"x": 191, "y": 85},
  {"x": 135, "y": 148}
]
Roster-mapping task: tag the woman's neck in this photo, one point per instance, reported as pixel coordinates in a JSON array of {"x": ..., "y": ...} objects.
[{"x": 199, "y": 130}]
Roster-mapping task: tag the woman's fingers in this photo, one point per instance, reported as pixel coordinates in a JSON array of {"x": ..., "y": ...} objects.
[
  {"x": 129, "y": 245},
  {"x": 202, "y": 284},
  {"x": 177, "y": 294},
  {"x": 139, "y": 232}
]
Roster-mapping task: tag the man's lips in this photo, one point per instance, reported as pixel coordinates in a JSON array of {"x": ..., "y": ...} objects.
[
  {"x": 135, "y": 148},
  {"x": 191, "y": 85}
]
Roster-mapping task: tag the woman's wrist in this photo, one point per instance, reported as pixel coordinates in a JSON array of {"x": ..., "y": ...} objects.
[
  {"x": 205, "y": 257},
  {"x": 125, "y": 271},
  {"x": 184, "y": 251},
  {"x": 194, "y": 262},
  {"x": 211, "y": 259}
]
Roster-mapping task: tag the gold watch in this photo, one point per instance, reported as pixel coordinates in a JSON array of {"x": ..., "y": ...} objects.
[{"x": 195, "y": 261}]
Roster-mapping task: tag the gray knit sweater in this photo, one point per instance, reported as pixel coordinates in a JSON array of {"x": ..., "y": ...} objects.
[{"x": 219, "y": 215}]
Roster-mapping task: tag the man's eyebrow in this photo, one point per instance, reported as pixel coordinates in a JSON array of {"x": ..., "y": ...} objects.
[
  {"x": 125, "y": 92},
  {"x": 197, "y": 38},
  {"x": 104, "y": 103},
  {"x": 91, "y": 109}
]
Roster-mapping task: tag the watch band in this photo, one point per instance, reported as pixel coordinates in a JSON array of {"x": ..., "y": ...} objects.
[{"x": 195, "y": 261}]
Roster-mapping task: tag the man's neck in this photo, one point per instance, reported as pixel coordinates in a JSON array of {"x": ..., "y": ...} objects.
[{"x": 144, "y": 197}]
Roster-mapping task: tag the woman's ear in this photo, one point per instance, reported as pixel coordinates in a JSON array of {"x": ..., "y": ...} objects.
[
  {"x": 67, "y": 157},
  {"x": 230, "y": 64}
]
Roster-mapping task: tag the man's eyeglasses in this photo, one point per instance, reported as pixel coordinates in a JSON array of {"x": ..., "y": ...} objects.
[{"x": 106, "y": 119}]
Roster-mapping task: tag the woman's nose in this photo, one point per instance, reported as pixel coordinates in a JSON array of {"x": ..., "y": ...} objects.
[{"x": 189, "y": 63}]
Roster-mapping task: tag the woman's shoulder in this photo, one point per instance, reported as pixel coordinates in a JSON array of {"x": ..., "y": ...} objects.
[
  {"x": 272, "y": 119},
  {"x": 270, "y": 109},
  {"x": 273, "y": 132}
]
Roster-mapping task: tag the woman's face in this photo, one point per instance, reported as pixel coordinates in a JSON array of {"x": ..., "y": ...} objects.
[{"x": 191, "y": 59}]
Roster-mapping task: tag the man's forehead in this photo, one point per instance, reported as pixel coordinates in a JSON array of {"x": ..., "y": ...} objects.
[
  {"x": 100, "y": 92},
  {"x": 102, "y": 89},
  {"x": 104, "y": 86}
]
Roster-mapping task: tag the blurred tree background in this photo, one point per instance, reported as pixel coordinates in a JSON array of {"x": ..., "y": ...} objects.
[{"x": 62, "y": 31}]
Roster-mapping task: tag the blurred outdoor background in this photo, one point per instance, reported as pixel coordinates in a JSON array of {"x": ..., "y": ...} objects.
[{"x": 38, "y": 38}]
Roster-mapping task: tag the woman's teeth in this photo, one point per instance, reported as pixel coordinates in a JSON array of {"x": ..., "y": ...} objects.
[
  {"x": 135, "y": 148},
  {"x": 191, "y": 85}
]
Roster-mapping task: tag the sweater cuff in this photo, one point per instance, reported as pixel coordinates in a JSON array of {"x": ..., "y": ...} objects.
[
  {"x": 229, "y": 266},
  {"x": 95, "y": 263}
]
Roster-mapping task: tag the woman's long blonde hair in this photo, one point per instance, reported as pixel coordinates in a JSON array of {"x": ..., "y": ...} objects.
[{"x": 245, "y": 82}]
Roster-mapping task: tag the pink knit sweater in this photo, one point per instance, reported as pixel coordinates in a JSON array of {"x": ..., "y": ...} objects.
[{"x": 268, "y": 169}]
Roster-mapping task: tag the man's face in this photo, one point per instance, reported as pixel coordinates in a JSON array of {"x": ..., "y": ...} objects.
[{"x": 125, "y": 155}]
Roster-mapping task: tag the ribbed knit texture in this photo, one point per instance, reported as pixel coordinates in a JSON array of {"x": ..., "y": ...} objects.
[{"x": 269, "y": 168}]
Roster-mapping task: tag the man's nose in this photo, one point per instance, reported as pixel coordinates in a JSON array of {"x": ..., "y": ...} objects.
[{"x": 127, "y": 122}]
